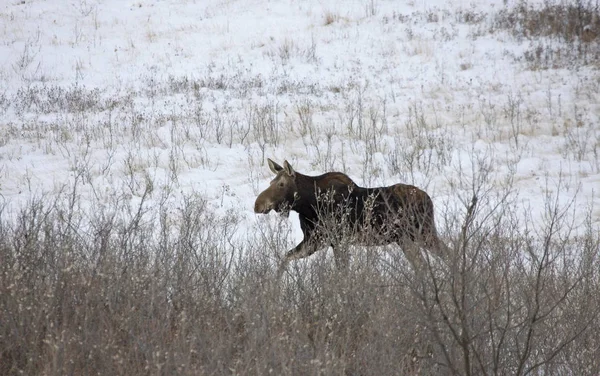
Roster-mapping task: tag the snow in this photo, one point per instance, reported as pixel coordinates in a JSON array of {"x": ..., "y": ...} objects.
[{"x": 189, "y": 79}]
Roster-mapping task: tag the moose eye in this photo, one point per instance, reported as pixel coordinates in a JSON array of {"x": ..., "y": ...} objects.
[{"x": 280, "y": 184}]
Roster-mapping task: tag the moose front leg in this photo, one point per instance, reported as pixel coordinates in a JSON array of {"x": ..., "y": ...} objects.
[
  {"x": 306, "y": 248},
  {"x": 302, "y": 250}
]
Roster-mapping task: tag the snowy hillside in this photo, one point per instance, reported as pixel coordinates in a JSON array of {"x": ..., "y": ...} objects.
[{"x": 194, "y": 95}]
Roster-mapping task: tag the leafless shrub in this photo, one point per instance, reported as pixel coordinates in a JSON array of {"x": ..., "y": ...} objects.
[
  {"x": 26, "y": 57},
  {"x": 107, "y": 296},
  {"x": 574, "y": 25},
  {"x": 423, "y": 148},
  {"x": 330, "y": 17},
  {"x": 304, "y": 110},
  {"x": 582, "y": 142},
  {"x": 176, "y": 288},
  {"x": 565, "y": 20},
  {"x": 544, "y": 55},
  {"x": 266, "y": 127},
  {"x": 371, "y": 8},
  {"x": 310, "y": 52},
  {"x": 512, "y": 111},
  {"x": 49, "y": 99},
  {"x": 4, "y": 103},
  {"x": 470, "y": 16},
  {"x": 466, "y": 66},
  {"x": 503, "y": 302}
]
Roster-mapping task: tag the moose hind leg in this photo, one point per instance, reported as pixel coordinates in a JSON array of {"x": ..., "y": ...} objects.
[
  {"x": 342, "y": 258},
  {"x": 412, "y": 251}
]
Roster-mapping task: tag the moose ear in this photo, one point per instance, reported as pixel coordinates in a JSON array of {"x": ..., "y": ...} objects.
[
  {"x": 274, "y": 166},
  {"x": 288, "y": 168}
]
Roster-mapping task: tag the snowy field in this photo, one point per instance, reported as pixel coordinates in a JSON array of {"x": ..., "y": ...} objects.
[{"x": 103, "y": 101}]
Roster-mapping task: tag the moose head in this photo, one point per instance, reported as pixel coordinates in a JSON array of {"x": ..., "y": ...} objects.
[{"x": 282, "y": 191}]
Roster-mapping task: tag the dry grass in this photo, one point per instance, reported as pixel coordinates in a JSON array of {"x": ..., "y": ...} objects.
[
  {"x": 330, "y": 18},
  {"x": 130, "y": 292},
  {"x": 569, "y": 29}
]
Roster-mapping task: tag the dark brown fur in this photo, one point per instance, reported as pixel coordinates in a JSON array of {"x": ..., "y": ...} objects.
[{"x": 399, "y": 213}]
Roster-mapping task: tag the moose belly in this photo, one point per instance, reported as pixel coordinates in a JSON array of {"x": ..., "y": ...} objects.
[{"x": 377, "y": 233}]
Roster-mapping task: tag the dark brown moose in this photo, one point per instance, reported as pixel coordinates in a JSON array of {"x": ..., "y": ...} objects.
[{"x": 332, "y": 209}]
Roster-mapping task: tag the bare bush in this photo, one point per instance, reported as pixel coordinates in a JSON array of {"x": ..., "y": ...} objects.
[
  {"x": 573, "y": 25},
  {"x": 564, "y": 20},
  {"x": 330, "y": 17},
  {"x": 164, "y": 287},
  {"x": 48, "y": 99},
  {"x": 425, "y": 148}
]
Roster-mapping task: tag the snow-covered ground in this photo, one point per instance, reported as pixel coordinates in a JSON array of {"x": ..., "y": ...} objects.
[{"x": 192, "y": 96}]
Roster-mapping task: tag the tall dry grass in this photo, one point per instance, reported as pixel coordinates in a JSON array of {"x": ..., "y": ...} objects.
[{"x": 149, "y": 290}]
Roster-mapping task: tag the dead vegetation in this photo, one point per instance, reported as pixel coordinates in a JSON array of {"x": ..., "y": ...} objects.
[
  {"x": 144, "y": 290},
  {"x": 562, "y": 33}
]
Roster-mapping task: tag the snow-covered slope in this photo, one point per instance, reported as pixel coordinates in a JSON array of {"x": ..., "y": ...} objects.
[{"x": 192, "y": 96}]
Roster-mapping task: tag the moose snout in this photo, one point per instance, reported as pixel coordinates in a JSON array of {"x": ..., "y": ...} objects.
[{"x": 262, "y": 207}]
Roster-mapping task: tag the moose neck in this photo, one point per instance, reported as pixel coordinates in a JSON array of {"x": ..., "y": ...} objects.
[
  {"x": 310, "y": 187},
  {"x": 307, "y": 195}
]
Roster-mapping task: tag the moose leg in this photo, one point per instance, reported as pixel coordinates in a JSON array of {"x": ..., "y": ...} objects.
[
  {"x": 306, "y": 248},
  {"x": 413, "y": 254},
  {"x": 302, "y": 250},
  {"x": 342, "y": 258},
  {"x": 438, "y": 247}
]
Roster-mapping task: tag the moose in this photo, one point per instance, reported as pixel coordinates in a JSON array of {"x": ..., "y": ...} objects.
[{"x": 332, "y": 208}]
